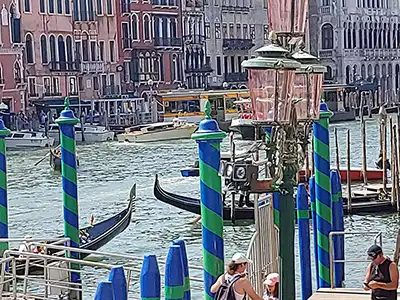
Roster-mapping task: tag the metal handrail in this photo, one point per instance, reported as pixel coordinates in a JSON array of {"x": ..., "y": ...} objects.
[{"x": 377, "y": 236}]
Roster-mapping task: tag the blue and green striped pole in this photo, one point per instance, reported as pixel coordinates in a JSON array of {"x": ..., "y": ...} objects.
[
  {"x": 3, "y": 188},
  {"x": 276, "y": 207},
  {"x": 174, "y": 278},
  {"x": 186, "y": 278},
  {"x": 323, "y": 199},
  {"x": 209, "y": 138},
  {"x": 314, "y": 225},
  {"x": 66, "y": 122}
]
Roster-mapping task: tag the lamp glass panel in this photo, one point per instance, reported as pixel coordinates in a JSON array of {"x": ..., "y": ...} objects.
[
  {"x": 316, "y": 92},
  {"x": 300, "y": 96},
  {"x": 271, "y": 93}
]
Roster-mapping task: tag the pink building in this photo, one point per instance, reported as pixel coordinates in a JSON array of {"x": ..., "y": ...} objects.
[
  {"x": 70, "y": 49},
  {"x": 12, "y": 86}
]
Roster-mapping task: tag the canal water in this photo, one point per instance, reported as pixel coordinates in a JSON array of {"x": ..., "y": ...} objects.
[{"x": 108, "y": 171}]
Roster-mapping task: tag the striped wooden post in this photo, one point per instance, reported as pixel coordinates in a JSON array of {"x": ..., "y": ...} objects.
[
  {"x": 66, "y": 122},
  {"x": 150, "y": 282},
  {"x": 174, "y": 274},
  {"x": 323, "y": 193},
  {"x": 3, "y": 188},
  {"x": 209, "y": 138},
  {"x": 186, "y": 283},
  {"x": 314, "y": 225}
]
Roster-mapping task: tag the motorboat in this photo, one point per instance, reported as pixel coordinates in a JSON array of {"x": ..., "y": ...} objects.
[
  {"x": 243, "y": 123},
  {"x": 164, "y": 131},
  {"x": 91, "y": 133},
  {"x": 28, "y": 139}
]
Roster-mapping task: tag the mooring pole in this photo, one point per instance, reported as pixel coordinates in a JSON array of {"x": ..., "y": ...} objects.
[
  {"x": 209, "y": 138},
  {"x": 314, "y": 226},
  {"x": 3, "y": 188},
  {"x": 66, "y": 122},
  {"x": 323, "y": 193}
]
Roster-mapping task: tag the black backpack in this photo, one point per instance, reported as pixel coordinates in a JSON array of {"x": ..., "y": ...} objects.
[{"x": 226, "y": 291}]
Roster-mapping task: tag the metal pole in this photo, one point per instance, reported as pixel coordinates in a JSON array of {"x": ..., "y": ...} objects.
[
  {"x": 209, "y": 138},
  {"x": 3, "y": 188},
  {"x": 66, "y": 122},
  {"x": 323, "y": 192},
  {"x": 348, "y": 173}
]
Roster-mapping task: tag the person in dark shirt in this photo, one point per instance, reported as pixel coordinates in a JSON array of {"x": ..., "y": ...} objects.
[{"x": 382, "y": 276}]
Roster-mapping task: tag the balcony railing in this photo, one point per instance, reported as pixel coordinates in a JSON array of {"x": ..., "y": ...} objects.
[
  {"x": 325, "y": 10},
  {"x": 194, "y": 39},
  {"x": 236, "y": 77},
  {"x": 92, "y": 67},
  {"x": 170, "y": 3},
  {"x": 202, "y": 69},
  {"x": 233, "y": 8},
  {"x": 237, "y": 44},
  {"x": 167, "y": 42},
  {"x": 64, "y": 66},
  {"x": 326, "y": 53}
]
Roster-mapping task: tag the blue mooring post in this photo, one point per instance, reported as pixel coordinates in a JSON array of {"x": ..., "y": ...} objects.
[
  {"x": 186, "y": 280},
  {"x": 118, "y": 280},
  {"x": 3, "y": 188},
  {"x": 105, "y": 291},
  {"x": 174, "y": 274},
  {"x": 150, "y": 283},
  {"x": 303, "y": 219},
  {"x": 337, "y": 225},
  {"x": 314, "y": 225},
  {"x": 275, "y": 205}
]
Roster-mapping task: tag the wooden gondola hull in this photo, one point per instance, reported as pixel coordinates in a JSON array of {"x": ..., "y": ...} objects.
[{"x": 99, "y": 234}]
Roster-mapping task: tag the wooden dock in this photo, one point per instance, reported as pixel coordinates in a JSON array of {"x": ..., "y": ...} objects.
[{"x": 342, "y": 294}]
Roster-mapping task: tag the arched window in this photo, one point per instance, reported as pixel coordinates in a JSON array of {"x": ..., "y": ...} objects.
[
  {"x": 61, "y": 53},
  {"x": 146, "y": 24},
  {"x": 327, "y": 36},
  {"x": 147, "y": 63},
  {"x": 349, "y": 39},
  {"x": 397, "y": 75},
  {"x": 1, "y": 75},
  {"x": 363, "y": 74},
  {"x": 370, "y": 37},
  {"x": 17, "y": 72},
  {"x": 348, "y": 74},
  {"x": 174, "y": 67},
  {"x": 135, "y": 27},
  {"x": 354, "y": 36},
  {"x": 85, "y": 47},
  {"x": 365, "y": 36},
  {"x": 328, "y": 76},
  {"x": 15, "y": 24},
  {"x": 43, "y": 49},
  {"x": 187, "y": 60},
  {"x": 53, "y": 55},
  {"x": 360, "y": 38},
  {"x": 70, "y": 52},
  {"x": 377, "y": 38},
  {"x": 29, "y": 48},
  {"x": 398, "y": 36},
  {"x": 345, "y": 36}
]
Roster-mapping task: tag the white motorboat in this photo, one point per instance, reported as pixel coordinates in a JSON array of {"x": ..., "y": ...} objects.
[
  {"x": 243, "y": 123},
  {"x": 28, "y": 139},
  {"x": 165, "y": 131},
  {"x": 92, "y": 133}
]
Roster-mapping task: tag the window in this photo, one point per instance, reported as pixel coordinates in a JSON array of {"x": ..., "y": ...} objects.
[
  {"x": 207, "y": 29},
  {"x": 32, "y": 87},
  {"x": 27, "y": 5},
  {"x": 112, "y": 50},
  {"x": 146, "y": 24},
  {"x": 29, "y": 49},
  {"x": 99, "y": 7},
  {"x": 217, "y": 30},
  {"x": 72, "y": 89},
  {"x": 126, "y": 71},
  {"x": 265, "y": 32},
  {"x": 46, "y": 86},
  {"x": 61, "y": 53},
  {"x": 85, "y": 48},
  {"x": 93, "y": 51},
  {"x": 252, "y": 32},
  {"x": 78, "y": 50},
  {"x": 109, "y": 7},
  {"x": 43, "y": 49},
  {"x": 42, "y": 8},
  {"x": 125, "y": 36},
  {"x": 134, "y": 26},
  {"x": 56, "y": 85},
  {"x": 226, "y": 64},
  {"x": 245, "y": 32},
  {"x": 219, "y": 70},
  {"x": 224, "y": 31},
  {"x": 17, "y": 72},
  {"x": 51, "y": 6},
  {"x": 67, "y": 7},
  {"x": 326, "y": 2},
  {"x": 69, "y": 52},
  {"x": 238, "y": 31},
  {"x": 327, "y": 36},
  {"x": 112, "y": 83},
  {"x": 101, "y": 44},
  {"x": 53, "y": 49},
  {"x": 104, "y": 83},
  {"x": 231, "y": 31},
  {"x": 96, "y": 83},
  {"x": 80, "y": 84},
  {"x": 239, "y": 60},
  {"x": 59, "y": 7}
]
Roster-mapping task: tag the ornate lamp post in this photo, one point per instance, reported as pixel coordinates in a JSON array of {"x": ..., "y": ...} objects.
[{"x": 285, "y": 94}]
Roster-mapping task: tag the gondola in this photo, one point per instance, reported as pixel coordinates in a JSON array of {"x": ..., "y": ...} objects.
[
  {"x": 55, "y": 161},
  {"x": 193, "y": 205},
  {"x": 96, "y": 236}
]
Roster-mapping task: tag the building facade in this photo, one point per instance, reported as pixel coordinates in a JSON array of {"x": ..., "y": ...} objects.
[
  {"x": 150, "y": 35},
  {"x": 358, "y": 40},
  {"x": 12, "y": 86},
  {"x": 234, "y": 29}
]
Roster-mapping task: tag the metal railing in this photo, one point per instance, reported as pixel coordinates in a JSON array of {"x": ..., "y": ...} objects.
[
  {"x": 377, "y": 238},
  {"x": 45, "y": 276}
]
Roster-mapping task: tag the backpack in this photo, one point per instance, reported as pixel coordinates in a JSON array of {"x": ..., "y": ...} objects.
[{"x": 226, "y": 291}]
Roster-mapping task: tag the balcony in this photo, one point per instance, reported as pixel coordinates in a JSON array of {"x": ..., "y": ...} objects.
[
  {"x": 64, "y": 66},
  {"x": 236, "y": 77},
  {"x": 237, "y": 44},
  {"x": 52, "y": 94},
  {"x": 167, "y": 42},
  {"x": 202, "y": 69},
  {"x": 92, "y": 67},
  {"x": 326, "y": 53},
  {"x": 325, "y": 10},
  {"x": 233, "y": 8},
  {"x": 165, "y": 3},
  {"x": 194, "y": 39}
]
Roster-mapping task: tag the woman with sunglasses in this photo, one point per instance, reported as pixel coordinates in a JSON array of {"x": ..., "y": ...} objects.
[{"x": 382, "y": 276}]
